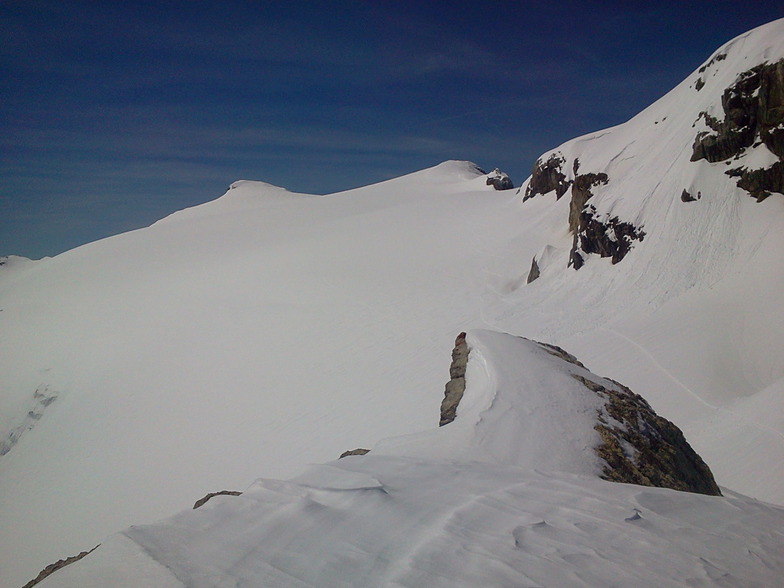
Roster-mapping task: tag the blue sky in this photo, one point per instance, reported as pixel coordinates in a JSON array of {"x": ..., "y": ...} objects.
[{"x": 115, "y": 114}]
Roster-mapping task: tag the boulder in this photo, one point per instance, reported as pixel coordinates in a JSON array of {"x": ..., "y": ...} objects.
[
  {"x": 640, "y": 447},
  {"x": 499, "y": 180},
  {"x": 687, "y": 197}
]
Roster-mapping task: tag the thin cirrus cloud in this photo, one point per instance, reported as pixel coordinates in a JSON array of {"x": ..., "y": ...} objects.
[{"x": 119, "y": 113}]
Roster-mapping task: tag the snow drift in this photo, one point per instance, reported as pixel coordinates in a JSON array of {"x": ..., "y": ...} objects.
[{"x": 506, "y": 494}]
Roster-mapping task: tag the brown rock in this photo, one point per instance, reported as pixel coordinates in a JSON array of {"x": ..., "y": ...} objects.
[
  {"x": 640, "y": 447},
  {"x": 547, "y": 176},
  {"x": 52, "y": 568},
  {"x": 358, "y": 451},
  {"x": 455, "y": 387},
  {"x": 203, "y": 501}
]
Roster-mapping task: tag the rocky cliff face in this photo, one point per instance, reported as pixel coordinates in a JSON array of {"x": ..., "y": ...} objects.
[
  {"x": 608, "y": 236},
  {"x": 720, "y": 130},
  {"x": 753, "y": 109},
  {"x": 640, "y": 447},
  {"x": 592, "y": 233},
  {"x": 547, "y": 176}
]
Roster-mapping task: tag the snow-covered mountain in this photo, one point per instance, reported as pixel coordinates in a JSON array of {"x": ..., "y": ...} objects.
[
  {"x": 689, "y": 313},
  {"x": 267, "y": 330}
]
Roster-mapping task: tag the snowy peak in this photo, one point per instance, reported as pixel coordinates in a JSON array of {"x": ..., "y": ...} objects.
[
  {"x": 447, "y": 176},
  {"x": 455, "y": 167},
  {"x": 718, "y": 135},
  {"x": 244, "y": 196},
  {"x": 451, "y": 170}
]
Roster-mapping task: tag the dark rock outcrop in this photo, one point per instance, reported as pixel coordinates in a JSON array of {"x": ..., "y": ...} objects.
[
  {"x": 640, "y": 447},
  {"x": 714, "y": 59},
  {"x": 700, "y": 83},
  {"x": 52, "y": 568},
  {"x": 534, "y": 272},
  {"x": 547, "y": 176},
  {"x": 499, "y": 180},
  {"x": 455, "y": 387},
  {"x": 581, "y": 192},
  {"x": 609, "y": 238},
  {"x": 561, "y": 353},
  {"x": 753, "y": 115},
  {"x": 203, "y": 501},
  {"x": 760, "y": 182},
  {"x": 358, "y": 451}
]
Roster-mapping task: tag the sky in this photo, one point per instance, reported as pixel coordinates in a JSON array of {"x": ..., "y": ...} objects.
[{"x": 116, "y": 114}]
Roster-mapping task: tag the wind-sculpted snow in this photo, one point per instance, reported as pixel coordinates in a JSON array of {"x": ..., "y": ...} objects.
[
  {"x": 506, "y": 494},
  {"x": 374, "y": 521},
  {"x": 536, "y": 406}
]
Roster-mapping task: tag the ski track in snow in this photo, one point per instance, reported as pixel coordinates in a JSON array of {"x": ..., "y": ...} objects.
[
  {"x": 660, "y": 367},
  {"x": 670, "y": 376},
  {"x": 42, "y": 398}
]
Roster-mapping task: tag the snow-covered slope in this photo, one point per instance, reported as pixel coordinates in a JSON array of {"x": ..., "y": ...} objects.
[
  {"x": 253, "y": 335},
  {"x": 267, "y": 330},
  {"x": 506, "y": 495},
  {"x": 691, "y": 316}
]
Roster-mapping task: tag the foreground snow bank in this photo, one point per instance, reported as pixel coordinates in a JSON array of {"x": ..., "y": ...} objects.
[
  {"x": 536, "y": 406},
  {"x": 507, "y": 494},
  {"x": 400, "y": 521}
]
